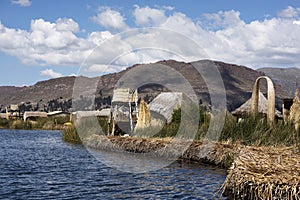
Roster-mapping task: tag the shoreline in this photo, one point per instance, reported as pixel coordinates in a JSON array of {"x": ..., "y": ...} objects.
[
  {"x": 254, "y": 172},
  {"x": 221, "y": 154},
  {"x": 51, "y": 123}
]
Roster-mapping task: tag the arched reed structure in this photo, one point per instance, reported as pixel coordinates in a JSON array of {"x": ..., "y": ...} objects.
[{"x": 271, "y": 98}]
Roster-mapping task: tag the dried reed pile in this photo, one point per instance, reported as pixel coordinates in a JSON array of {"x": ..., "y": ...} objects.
[{"x": 264, "y": 173}]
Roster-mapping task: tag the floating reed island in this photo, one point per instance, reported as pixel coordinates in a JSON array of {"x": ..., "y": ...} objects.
[
  {"x": 254, "y": 172},
  {"x": 268, "y": 168},
  {"x": 264, "y": 173},
  {"x": 217, "y": 153}
]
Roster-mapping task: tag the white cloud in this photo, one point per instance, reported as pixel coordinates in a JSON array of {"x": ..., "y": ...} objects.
[
  {"x": 98, "y": 37},
  {"x": 222, "y": 19},
  {"x": 50, "y": 73},
  {"x": 23, "y": 3},
  {"x": 289, "y": 12},
  {"x": 110, "y": 19},
  {"x": 296, "y": 22},
  {"x": 169, "y": 8},
  {"x": 46, "y": 43},
  {"x": 147, "y": 16},
  {"x": 271, "y": 42},
  {"x": 64, "y": 24}
]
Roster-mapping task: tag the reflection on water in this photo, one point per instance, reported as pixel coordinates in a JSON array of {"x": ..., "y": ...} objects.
[{"x": 37, "y": 164}]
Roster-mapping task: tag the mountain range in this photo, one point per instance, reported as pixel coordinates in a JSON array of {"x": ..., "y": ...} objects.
[
  {"x": 288, "y": 78},
  {"x": 238, "y": 81}
]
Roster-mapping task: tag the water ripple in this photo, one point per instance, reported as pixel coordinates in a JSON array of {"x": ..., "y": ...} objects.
[{"x": 37, "y": 165}]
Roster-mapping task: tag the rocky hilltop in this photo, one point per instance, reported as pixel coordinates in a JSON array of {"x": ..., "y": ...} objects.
[
  {"x": 286, "y": 77},
  {"x": 57, "y": 93}
]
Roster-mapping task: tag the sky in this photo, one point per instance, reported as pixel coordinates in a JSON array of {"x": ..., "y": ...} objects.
[{"x": 43, "y": 39}]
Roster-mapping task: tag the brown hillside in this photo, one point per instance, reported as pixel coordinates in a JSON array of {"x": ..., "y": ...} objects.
[{"x": 238, "y": 81}]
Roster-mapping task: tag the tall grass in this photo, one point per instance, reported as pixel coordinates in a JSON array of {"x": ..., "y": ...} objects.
[
  {"x": 249, "y": 131},
  {"x": 259, "y": 132},
  {"x": 49, "y": 123},
  {"x": 83, "y": 128},
  {"x": 70, "y": 135},
  {"x": 4, "y": 123}
]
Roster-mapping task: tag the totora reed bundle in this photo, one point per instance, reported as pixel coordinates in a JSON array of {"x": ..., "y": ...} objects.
[{"x": 264, "y": 173}]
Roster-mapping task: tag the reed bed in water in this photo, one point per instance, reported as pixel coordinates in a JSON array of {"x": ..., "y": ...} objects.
[
  {"x": 217, "y": 153},
  {"x": 256, "y": 172},
  {"x": 264, "y": 173}
]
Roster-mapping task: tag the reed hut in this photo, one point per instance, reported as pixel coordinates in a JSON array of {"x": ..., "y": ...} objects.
[
  {"x": 245, "y": 109},
  {"x": 124, "y": 109},
  {"x": 163, "y": 105}
]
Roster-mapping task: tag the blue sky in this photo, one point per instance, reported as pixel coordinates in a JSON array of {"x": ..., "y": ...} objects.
[{"x": 42, "y": 39}]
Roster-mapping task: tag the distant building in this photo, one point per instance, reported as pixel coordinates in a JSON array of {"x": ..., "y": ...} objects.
[
  {"x": 96, "y": 113},
  {"x": 3, "y": 115},
  {"x": 58, "y": 113},
  {"x": 34, "y": 115}
]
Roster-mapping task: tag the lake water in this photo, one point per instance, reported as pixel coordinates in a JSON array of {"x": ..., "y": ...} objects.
[{"x": 38, "y": 165}]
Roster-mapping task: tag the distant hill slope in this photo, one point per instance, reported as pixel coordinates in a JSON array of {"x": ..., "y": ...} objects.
[
  {"x": 238, "y": 81},
  {"x": 42, "y": 91},
  {"x": 286, "y": 77}
]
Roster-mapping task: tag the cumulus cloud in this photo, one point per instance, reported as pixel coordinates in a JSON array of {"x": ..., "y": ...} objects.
[
  {"x": 46, "y": 43},
  {"x": 289, "y": 12},
  {"x": 98, "y": 37},
  {"x": 50, "y": 73},
  {"x": 222, "y": 19},
  {"x": 110, "y": 19},
  {"x": 296, "y": 22},
  {"x": 23, "y": 3},
  {"x": 220, "y": 36},
  {"x": 147, "y": 16}
]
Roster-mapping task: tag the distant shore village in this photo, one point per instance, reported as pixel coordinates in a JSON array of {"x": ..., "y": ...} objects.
[{"x": 126, "y": 111}]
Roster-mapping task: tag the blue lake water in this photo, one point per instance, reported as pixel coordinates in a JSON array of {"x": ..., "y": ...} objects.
[{"x": 38, "y": 165}]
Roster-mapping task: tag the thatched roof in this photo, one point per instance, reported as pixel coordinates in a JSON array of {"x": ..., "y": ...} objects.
[
  {"x": 165, "y": 103},
  {"x": 124, "y": 95},
  {"x": 262, "y": 106}
]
